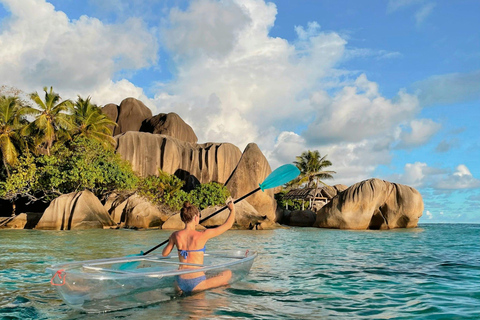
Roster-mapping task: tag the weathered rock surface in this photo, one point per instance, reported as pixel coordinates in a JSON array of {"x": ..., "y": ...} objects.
[
  {"x": 372, "y": 204},
  {"x": 76, "y": 210},
  {"x": 115, "y": 206},
  {"x": 176, "y": 223},
  {"x": 251, "y": 170},
  {"x": 131, "y": 114},
  {"x": 17, "y": 222},
  {"x": 142, "y": 214},
  {"x": 246, "y": 216},
  {"x": 340, "y": 187},
  {"x": 169, "y": 124},
  {"x": 111, "y": 111},
  {"x": 149, "y": 152},
  {"x": 300, "y": 218}
]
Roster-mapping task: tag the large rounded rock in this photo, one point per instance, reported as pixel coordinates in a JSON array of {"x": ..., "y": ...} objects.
[
  {"x": 246, "y": 217},
  {"x": 142, "y": 214},
  {"x": 115, "y": 206},
  {"x": 372, "y": 204},
  {"x": 76, "y": 210},
  {"x": 251, "y": 170},
  {"x": 131, "y": 114},
  {"x": 111, "y": 111},
  {"x": 170, "y": 124},
  {"x": 301, "y": 218},
  {"x": 149, "y": 152},
  {"x": 340, "y": 187},
  {"x": 176, "y": 223}
]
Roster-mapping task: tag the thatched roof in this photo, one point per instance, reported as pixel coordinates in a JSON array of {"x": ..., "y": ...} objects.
[{"x": 325, "y": 192}]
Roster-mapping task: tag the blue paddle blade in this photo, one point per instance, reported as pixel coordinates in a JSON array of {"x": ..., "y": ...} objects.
[
  {"x": 129, "y": 265},
  {"x": 280, "y": 176}
]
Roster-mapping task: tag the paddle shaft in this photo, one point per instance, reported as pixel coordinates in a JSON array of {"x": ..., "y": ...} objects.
[{"x": 206, "y": 218}]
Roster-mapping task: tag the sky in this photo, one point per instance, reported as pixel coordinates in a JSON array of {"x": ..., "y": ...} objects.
[{"x": 385, "y": 89}]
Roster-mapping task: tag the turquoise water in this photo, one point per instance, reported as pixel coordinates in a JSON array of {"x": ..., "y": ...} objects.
[{"x": 431, "y": 272}]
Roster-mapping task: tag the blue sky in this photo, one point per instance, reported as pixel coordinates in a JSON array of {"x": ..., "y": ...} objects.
[{"x": 388, "y": 90}]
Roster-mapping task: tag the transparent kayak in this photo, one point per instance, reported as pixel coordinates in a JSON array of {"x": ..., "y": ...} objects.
[{"x": 127, "y": 282}]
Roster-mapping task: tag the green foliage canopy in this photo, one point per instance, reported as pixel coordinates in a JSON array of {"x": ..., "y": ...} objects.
[{"x": 78, "y": 165}]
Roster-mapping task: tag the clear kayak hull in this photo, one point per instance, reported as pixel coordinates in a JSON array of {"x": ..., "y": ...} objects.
[{"x": 127, "y": 282}]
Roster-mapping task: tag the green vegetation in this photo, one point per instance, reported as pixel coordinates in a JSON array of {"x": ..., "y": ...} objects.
[
  {"x": 204, "y": 195},
  {"x": 60, "y": 146},
  {"x": 77, "y": 165},
  {"x": 311, "y": 165},
  {"x": 282, "y": 202}
]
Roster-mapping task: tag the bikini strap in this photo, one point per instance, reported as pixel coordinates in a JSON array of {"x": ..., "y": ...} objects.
[{"x": 184, "y": 253}]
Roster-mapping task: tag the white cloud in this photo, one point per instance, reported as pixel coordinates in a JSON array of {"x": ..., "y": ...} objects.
[
  {"x": 460, "y": 179},
  {"x": 287, "y": 147},
  {"x": 207, "y": 28},
  {"x": 358, "y": 112},
  {"x": 43, "y": 47},
  {"x": 260, "y": 83},
  {"x": 420, "y": 175},
  {"x": 232, "y": 81},
  {"x": 424, "y": 12},
  {"x": 429, "y": 214},
  {"x": 421, "y": 131}
]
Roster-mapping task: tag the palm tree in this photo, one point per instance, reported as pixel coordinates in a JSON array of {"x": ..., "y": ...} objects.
[
  {"x": 311, "y": 165},
  {"x": 11, "y": 125},
  {"x": 52, "y": 118},
  {"x": 91, "y": 122}
]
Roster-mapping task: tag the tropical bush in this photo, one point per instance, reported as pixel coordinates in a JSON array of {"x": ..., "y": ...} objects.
[
  {"x": 166, "y": 189},
  {"x": 59, "y": 146},
  {"x": 282, "y": 202},
  {"x": 79, "y": 164},
  {"x": 208, "y": 194}
]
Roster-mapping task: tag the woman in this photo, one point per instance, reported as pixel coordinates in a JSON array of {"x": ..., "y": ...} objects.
[{"x": 191, "y": 247}]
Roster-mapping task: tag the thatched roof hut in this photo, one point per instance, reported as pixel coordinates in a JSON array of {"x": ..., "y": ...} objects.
[{"x": 314, "y": 196}]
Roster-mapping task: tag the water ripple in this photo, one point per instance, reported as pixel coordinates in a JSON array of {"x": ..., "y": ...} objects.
[{"x": 299, "y": 274}]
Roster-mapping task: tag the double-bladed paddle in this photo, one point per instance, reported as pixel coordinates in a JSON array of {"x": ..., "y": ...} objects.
[{"x": 278, "y": 177}]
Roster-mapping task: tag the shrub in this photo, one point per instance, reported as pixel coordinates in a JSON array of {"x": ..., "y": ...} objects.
[
  {"x": 80, "y": 164},
  {"x": 166, "y": 189},
  {"x": 282, "y": 202}
]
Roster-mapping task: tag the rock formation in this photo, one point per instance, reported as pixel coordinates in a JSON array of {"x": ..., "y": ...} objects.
[
  {"x": 176, "y": 223},
  {"x": 246, "y": 217},
  {"x": 170, "y": 125},
  {"x": 372, "y": 204},
  {"x": 115, "y": 206},
  {"x": 149, "y": 152},
  {"x": 140, "y": 213},
  {"x": 111, "y": 111},
  {"x": 300, "y": 218},
  {"x": 129, "y": 115},
  {"x": 251, "y": 170},
  {"x": 76, "y": 210},
  {"x": 340, "y": 187}
]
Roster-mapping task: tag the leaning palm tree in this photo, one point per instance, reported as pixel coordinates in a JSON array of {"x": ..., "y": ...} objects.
[
  {"x": 11, "y": 125},
  {"x": 52, "y": 119},
  {"x": 91, "y": 123},
  {"x": 311, "y": 165}
]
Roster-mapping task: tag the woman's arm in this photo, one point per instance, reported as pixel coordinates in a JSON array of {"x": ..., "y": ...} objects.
[
  {"x": 210, "y": 233},
  {"x": 171, "y": 242}
]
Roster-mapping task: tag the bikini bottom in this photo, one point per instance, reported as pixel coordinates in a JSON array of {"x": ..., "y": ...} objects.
[{"x": 187, "y": 285}]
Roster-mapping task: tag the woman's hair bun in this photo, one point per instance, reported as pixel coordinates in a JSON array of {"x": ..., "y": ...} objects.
[{"x": 186, "y": 204}]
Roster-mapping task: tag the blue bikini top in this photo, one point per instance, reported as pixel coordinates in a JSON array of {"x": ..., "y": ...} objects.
[{"x": 184, "y": 253}]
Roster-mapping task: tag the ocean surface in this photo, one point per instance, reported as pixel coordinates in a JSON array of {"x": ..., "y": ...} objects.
[{"x": 430, "y": 272}]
